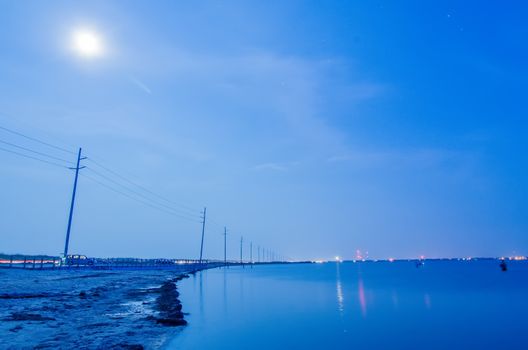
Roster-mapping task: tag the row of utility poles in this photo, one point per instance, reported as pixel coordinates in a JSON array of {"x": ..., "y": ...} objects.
[{"x": 267, "y": 255}]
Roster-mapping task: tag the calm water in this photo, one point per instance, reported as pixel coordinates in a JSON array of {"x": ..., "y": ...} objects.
[{"x": 357, "y": 305}]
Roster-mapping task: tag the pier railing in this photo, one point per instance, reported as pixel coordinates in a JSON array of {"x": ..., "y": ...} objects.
[{"x": 79, "y": 261}]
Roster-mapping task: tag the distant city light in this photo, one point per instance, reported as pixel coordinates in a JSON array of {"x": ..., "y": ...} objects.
[{"x": 359, "y": 256}]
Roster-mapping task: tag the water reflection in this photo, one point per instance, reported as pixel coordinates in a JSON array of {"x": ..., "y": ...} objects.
[
  {"x": 339, "y": 289},
  {"x": 201, "y": 292},
  {"x": 395, "y": 300},
  {"x": 241, "y": 279},
  {"x": 225, "y": 291},
  {"x": 392, "y": 299},
  {"x": 361, "y": 297},
  {"x": 427, "y": 301}
]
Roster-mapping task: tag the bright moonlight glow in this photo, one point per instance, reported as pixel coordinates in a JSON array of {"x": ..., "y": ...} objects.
[{"x": 87, "y": 43}]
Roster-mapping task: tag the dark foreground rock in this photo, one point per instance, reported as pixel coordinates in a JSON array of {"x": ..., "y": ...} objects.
[{"x": 169, "y": 306}]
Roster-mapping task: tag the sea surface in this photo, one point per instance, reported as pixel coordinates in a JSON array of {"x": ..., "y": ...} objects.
[{"x": 363, "y": 305}]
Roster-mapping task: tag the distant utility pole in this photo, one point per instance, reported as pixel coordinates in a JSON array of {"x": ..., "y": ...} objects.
[
  {"x": 251, "y": 252},
  {"x": 203, "y": 232},
  {"x": 225, "y": 246},
  {"x": 258, "y": 256},
  {"x": 241, "y": 242},
  {"x": 77, "y": 168}
]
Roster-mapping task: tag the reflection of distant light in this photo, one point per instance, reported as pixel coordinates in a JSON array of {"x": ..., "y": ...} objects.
[
  {"x": 395, "y": 301},
  {"x": 340, "y": 298},
  {"x": 339, "y": 289},
  {"x": 362, "y": 299},
  {"x": 391, "y": 259},
  {"x": 427, "y": 301}
]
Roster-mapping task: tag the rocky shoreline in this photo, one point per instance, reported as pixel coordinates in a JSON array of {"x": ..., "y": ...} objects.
[{"x": 89, "y": 310}]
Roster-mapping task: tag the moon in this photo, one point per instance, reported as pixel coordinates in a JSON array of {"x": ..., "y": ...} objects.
[{"x": 87, "y": 43}]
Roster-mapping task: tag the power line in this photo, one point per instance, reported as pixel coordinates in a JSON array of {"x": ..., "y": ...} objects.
[
  {"x": 36, "y": 140},
  {"x": 179, "y": 210},
  {"x": 35, "y": 158},
  {"x": 36, "y": 152},
  {"x": 154, "y": 203},
  {"x": 142, "y": 196},
  {"x": 136, "y": 199},
  {"x": 139, "y": 194},
  {"x": 142, "y": 187}
]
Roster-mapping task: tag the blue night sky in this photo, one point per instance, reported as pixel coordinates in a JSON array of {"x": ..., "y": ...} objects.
[{"x": 314, "y": 128}]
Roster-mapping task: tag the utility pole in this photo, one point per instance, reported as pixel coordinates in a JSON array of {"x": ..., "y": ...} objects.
[
  {"x": 225, "y": 246},
  {"x": 77, "y": 168},
  {"x": 203, "y": 232},
  {"x": 258, "y": 256},
  {"x": 241, "y": 242},
  {"x": 251, "y": 253}
]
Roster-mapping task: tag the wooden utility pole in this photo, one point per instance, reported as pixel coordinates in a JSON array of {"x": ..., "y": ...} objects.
[
  {"x": 225, "y": 246},
  {"x": 203, "y": 233},
  {"x": 70, "y": 217},
  {"x": 241, "y": 243}
]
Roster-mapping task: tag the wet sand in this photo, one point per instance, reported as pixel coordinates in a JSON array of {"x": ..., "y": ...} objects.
[{"x": 89, "y": 309}]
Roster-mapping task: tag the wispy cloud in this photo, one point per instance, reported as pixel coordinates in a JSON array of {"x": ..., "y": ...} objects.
[
  {"x": 422, "y": 157},
  {"x": 270, "y": 167},
  {"x": 140, "y": 85},
  {"x": 273, "y": 166},
  {"x": 290, "y": 89}
]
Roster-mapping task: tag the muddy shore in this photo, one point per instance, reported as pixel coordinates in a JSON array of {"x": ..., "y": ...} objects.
[{"x": 89, "y": 309}]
